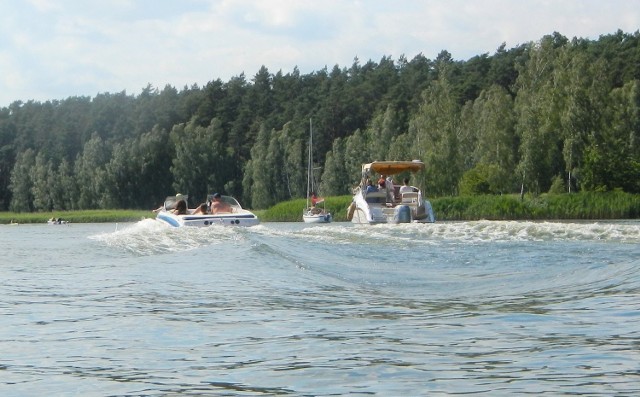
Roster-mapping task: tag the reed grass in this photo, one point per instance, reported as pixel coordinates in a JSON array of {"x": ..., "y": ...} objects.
[
  {"x": 84, "y": 216},
  {"x": 584, "y": 205},
  {"x": 291, "y": 211}
]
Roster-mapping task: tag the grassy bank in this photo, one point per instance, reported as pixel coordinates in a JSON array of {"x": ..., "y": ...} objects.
[
  {"x": 291, "y": 211},
  {"x": 609, "y": 205},
  {"x": 88, "y": 216}
]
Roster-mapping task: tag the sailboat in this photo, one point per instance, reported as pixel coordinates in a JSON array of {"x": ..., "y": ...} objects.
[{"x": 314, "y": 211}]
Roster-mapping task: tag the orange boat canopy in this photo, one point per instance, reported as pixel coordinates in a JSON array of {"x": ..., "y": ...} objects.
[{"x": 392, "y": 167}]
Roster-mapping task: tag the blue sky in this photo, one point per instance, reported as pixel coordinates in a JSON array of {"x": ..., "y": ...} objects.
[{"x": 53, "y": 49}]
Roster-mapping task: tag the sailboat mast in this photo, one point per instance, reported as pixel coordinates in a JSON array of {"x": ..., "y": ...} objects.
[{"x": 310, "y": 164}]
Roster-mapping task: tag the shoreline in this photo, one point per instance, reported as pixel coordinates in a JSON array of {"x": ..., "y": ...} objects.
[{"x": 586, "y": 206}]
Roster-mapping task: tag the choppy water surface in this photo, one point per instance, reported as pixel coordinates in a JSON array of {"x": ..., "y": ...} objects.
[{"x": 469, "y": 308}]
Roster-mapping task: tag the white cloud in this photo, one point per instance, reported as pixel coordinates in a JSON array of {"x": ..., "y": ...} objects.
[{"x": 55, "y": 49}]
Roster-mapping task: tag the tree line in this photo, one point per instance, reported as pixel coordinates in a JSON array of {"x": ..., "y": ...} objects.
[{"x": 557, "y": 114}]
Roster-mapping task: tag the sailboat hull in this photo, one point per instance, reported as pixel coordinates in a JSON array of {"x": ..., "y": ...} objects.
[{"x": 316, "y": 218}]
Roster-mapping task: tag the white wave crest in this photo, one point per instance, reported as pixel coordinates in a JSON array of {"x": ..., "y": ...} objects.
[{"x": 149, "y": 237}]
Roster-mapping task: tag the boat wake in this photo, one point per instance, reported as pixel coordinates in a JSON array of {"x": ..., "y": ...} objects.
[
  {"x": 540, "y": 231},
  {"x": 150, "y": 237},
  {"x": 466, "y": 259},
  {"x": 467, "y": 232}
]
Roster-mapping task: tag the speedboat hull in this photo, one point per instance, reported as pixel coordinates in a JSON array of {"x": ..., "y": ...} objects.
[
  {"x": 233, "y": 215},
  {"x": 245, "y": 219}
]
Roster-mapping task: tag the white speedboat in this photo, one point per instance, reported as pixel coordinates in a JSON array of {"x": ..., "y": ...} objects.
[
  {"x": 389, "y": 205},
  {"x": 316, "y": 212},
  {"x": 236, "y": 215}
]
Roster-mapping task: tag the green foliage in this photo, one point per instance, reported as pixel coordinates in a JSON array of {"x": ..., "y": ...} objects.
[
  {"x": 201, "y": 166},
  {"x": 480, "y": 207},
  {"x": 484, "y": 179},
  {"x": 587, "y": 205},
  {"x": 435, "y": 129},
  {"x": 557, "y": 186},
  {"x": 521, "y": 118},
  {"x": 21, "y": 182},
  {"x": 335, "y": 172}
]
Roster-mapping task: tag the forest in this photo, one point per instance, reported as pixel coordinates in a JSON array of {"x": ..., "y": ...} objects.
[{"x": 553, "y": 115}]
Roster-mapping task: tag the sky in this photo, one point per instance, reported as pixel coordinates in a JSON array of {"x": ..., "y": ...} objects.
[{"x": 55, "y": 49}]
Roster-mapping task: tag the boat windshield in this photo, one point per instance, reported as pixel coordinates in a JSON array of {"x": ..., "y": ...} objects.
[
  {"x": 170, "y": 201},
  {"x": 227, "y": 199}
]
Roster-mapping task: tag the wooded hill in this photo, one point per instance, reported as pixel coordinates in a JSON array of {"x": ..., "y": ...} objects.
[{"x": 556, "y": 115}]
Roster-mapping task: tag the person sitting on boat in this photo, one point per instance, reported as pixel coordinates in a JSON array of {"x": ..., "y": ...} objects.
[
  {"x": 370, "y": 187},
  {"x": 218, "y": 206},
  {"x": 179, "y": 197},
  {"x": 405, "y": 188},
  {"x": 181, "y": 208},
  {"x": 201, "y": 210}
]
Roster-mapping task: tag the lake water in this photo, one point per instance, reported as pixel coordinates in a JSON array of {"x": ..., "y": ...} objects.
[{"x": 461, "y": 308}]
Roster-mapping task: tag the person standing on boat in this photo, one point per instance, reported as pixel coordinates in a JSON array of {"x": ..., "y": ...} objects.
[
  {"x": 315, "y": 199},
  {"x": 391, "y": 189}
]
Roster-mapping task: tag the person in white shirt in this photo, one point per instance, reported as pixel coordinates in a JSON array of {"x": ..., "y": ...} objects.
[{"x": 405, "y": 188}]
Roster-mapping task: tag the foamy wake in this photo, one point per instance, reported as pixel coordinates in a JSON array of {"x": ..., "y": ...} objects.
[
  {"x": 149, "y": 237},
  {"x": 476, "y": 231}
]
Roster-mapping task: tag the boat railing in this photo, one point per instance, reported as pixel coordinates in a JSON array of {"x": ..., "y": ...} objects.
[
  {"x": 409, "y": 197},
  {"x": 376, "y": 197}
]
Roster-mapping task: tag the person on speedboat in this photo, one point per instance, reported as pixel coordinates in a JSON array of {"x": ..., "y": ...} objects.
[
  {"x": 201, "y": 210},
  {"x": 218, "y": 206},
  {"x": 178, "y": 196},
  {"x": 181, "y": 208}
]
